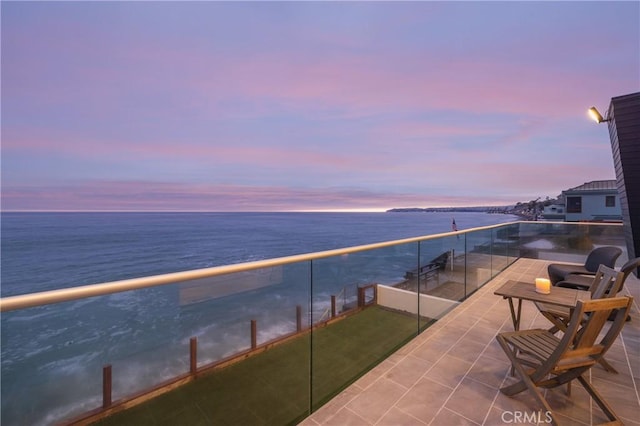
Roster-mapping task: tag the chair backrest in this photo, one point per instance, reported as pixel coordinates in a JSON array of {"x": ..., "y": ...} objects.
[
  {"x": 606, "y": 256},
  {"x": 628, "y": 268},
  {"x": 578, "y": 347},
  {"x": 606, "y": 283}
]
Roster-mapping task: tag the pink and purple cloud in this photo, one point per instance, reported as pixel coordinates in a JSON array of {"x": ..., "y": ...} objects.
[{"x": 300, "y": 106}]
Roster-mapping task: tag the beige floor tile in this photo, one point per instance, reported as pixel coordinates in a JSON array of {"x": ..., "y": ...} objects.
[
  {"x": 481, "y": 333},
  {"x": 345, "y": 417},
  {"x": 397, "y": 417},
  {"x": 328, "y": 410},
  {"x": 372, "y": 376},
  {"x": 489, "y": 371},
  {"x": 449, "y": 371},
  {"x": 424, "y": 400},
  {"x": 467, "y": 349},
  {"x": 448, "y": 417},
  {"x": 408, "y": 371},
  {"x": 472, "y": 400},
  {"x": 376, "y": 400}
]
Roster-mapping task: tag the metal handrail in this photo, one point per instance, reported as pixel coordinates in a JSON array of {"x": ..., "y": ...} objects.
[{"x": 74, "y": 293}]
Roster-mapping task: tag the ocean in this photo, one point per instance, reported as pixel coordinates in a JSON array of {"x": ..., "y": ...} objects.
[{"x": 144, "y": 333}]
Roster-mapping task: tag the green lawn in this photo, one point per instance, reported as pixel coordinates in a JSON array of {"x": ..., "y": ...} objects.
[{"x": 276, "y": 387}]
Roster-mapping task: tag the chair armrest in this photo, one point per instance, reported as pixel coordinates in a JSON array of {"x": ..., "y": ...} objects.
[{"x": 575, "y": 286}]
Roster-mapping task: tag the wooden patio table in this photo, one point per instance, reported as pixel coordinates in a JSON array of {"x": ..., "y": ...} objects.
[{"x": 560, "y": 296}]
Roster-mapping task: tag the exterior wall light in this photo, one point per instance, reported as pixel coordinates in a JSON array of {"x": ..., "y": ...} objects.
[{"x": 596, "y": 116}]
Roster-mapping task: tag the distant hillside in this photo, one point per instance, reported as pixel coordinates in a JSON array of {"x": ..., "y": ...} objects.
[
  {"x": 481, "y": 209},
  {"x": 529, "y": 210}
]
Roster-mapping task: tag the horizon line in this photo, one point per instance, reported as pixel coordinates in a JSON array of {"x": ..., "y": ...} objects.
[{"x": 336, "y": 210}]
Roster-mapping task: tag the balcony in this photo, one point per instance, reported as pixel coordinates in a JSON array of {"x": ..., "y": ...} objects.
[
  {"x": 434, "y": 359},
  {"x": 451, "y": 373}
]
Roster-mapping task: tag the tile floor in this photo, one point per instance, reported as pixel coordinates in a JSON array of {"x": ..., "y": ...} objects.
[{"x": 451, "y": 373}]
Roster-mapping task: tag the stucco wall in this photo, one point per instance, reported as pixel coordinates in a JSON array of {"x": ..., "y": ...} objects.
[{"x": 407, "y": 301}]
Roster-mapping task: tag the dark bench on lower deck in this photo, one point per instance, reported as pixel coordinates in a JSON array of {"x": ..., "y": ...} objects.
[{"x": 430, "y": 269}]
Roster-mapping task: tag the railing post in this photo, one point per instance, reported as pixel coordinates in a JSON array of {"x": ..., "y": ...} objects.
[
  {"x": 333, "y": 306},
  {"x": 254, "y": 334},
  {"x": 106, "y": 386},
  {"x": 360, "y": 297},
  {"x": 193, "y": 354},
  {"x": 452, "y": 256},
  {"x": 299, "y": 318}
]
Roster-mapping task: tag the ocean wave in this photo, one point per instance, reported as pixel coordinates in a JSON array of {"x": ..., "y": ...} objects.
[
  {"x": 274, "y": 331},
  {"x": 26, "y": 316},
  {"x": 144, "y": 370},
  {"x": 72, "y": 365}
]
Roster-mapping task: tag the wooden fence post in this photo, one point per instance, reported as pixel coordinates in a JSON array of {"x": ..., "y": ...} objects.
[
  {"x": 254, "y": 334},
  {"x": 106, "y": 386},
  {"x": 193, "y": 355},
  {"x": 333, "y": 306}
]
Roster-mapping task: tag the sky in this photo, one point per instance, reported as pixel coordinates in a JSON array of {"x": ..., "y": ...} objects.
[{"x": 297, "y": 106}]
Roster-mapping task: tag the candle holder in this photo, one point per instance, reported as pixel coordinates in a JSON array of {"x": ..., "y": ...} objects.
[{"x": 543, "y": 286}]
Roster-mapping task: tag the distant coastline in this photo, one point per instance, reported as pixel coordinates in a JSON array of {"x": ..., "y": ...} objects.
[
  {"x": 520, "y": 210},
  {"x": 479, "y": 209}
]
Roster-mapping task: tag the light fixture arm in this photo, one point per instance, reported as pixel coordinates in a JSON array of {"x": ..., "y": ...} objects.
[{"x": 596, "y": 116}]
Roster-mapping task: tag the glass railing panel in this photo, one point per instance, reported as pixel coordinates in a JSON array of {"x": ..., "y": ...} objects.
[
  {"x": 243, "y": 313},
  {"x": 502, "y": 248},
  {"x": 348, "y": 347},
  {"x": 479, "y": 258},
  {"x": 53, "y": 356},
  {"x": 21, "y": 354},
  {"x": 442, "y": 283},
  {"x": 509, "y": 236},
  {"x": 220, "y": 310},
  {"x": 568, "y": 242}
]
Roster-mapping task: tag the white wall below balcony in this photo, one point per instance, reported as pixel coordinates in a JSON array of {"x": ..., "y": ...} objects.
[{"x": 407, "y": 301}]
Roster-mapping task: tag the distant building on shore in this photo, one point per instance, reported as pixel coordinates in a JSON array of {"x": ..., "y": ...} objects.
[
  {"x": 597, "y": 200},
  {"x": 553, "y": 212}
]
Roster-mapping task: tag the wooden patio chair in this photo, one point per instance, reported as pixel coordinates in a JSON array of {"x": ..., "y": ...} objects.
[
  {"x": 606, "y": 283},
  {"x": 543, "y": 360}
]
